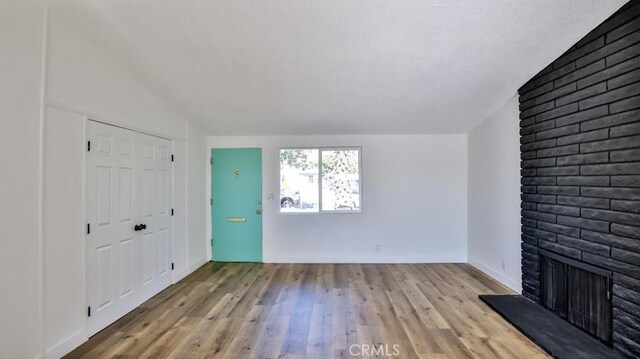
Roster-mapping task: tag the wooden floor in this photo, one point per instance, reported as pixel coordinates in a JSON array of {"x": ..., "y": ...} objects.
[{"x": 238, "y": 310}]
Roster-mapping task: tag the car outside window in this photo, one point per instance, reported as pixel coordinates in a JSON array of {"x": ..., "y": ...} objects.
[{"x": 320, "y": 180}]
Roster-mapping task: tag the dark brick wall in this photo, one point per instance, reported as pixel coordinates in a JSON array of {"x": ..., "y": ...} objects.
[{"x": 580, "y": 150}]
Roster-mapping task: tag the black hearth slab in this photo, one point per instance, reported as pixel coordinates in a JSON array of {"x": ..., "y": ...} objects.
[{"x": 550, "y": 332}]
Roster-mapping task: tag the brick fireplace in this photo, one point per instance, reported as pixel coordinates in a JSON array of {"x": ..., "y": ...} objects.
[{"x": 580, "y": 151}]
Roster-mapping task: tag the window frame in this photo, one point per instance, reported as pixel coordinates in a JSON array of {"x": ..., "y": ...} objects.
[{"x": 320, "y": 177}]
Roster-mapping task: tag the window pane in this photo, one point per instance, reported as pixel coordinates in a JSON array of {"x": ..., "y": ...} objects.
[
  {"x": 299, "y": 180},
  {"x": 340, "y": 180}
]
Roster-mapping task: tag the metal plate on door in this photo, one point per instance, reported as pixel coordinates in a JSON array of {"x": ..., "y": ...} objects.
[{"x": 236, "y": 219}]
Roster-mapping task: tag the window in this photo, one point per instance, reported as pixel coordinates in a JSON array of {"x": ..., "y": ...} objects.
[{"x": 316, "y": 180}]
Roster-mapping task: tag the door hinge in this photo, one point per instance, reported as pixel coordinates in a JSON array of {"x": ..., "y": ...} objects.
[
  {"x": 88, "y": 146},
  {"x": 172, "y": 211},
  {"x": 211, "y": 201},
  {"x": 211, "y": 161},
  {"x": 88, "y": 228},
  {"x": 172, "y": 266},
  {"x": 88, "y": 311},
  {"x": 171, "y": 158}
]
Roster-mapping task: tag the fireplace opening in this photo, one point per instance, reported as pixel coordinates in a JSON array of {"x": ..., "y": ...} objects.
[{"x": 579, "y": 293}]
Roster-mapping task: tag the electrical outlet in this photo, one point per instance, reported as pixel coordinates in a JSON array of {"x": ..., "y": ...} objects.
[
  {"x": 377, "y": 248},
  {"x": 504, "y": 265}
]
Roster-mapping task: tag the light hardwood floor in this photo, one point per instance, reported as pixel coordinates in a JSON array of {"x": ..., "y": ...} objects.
[{"x": 236, "y": 310}]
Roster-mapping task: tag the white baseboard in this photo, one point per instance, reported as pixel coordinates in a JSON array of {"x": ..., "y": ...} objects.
[
  {"x": 512, "y": 284},
  {"x": 365, "y": 259},
  {"x": 179, "y": 274},
  {"x": 197, "y": 264},
  {"x": 66, "y": 346}
]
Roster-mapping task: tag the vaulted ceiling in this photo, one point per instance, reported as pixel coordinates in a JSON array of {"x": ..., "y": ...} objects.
[{"x": 296, "y": 67}]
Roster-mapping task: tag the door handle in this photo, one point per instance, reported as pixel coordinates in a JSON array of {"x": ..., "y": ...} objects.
[
  {"x": 139, "y": 227},
  {"x": 258, "y": 212}
]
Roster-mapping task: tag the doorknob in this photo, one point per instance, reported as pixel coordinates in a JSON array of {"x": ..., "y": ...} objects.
[
  {"x": 139, "y": 227},
  {"x": 258, "y": 211}
]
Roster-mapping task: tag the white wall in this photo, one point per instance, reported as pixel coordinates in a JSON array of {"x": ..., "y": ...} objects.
[
  {"x": 57, "y": 78},
  {"x": 494, "y": 196},
  {"x": 21, "y": 33},
  {"x": 414, "y": 202},
  {"x": 63, "y": 218},
  {"x": 82, "y": 76},
  {"x": 197, "y": 164},
  {"x": 179, "y": 205}
]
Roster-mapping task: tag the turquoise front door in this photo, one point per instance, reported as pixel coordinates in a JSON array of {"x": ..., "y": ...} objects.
[{"x": 236, "y": 206}]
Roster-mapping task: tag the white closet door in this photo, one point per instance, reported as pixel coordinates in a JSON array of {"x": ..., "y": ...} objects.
[
  {"x": 128, "y": 185},
  {"x": 154, "y": 198},
  {"x": 111, "y": 214}
]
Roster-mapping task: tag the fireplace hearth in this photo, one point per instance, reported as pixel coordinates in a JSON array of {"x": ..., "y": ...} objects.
[{"x": 553, "y": 334}]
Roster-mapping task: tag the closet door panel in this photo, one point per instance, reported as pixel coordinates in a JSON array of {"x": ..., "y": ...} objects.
[
  {"x": 111, "y": 209},
  {"x": 155, "y": 199}
]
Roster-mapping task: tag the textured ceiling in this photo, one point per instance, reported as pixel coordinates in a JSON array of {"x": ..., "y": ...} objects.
[{"x": 294, "y": 67}]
